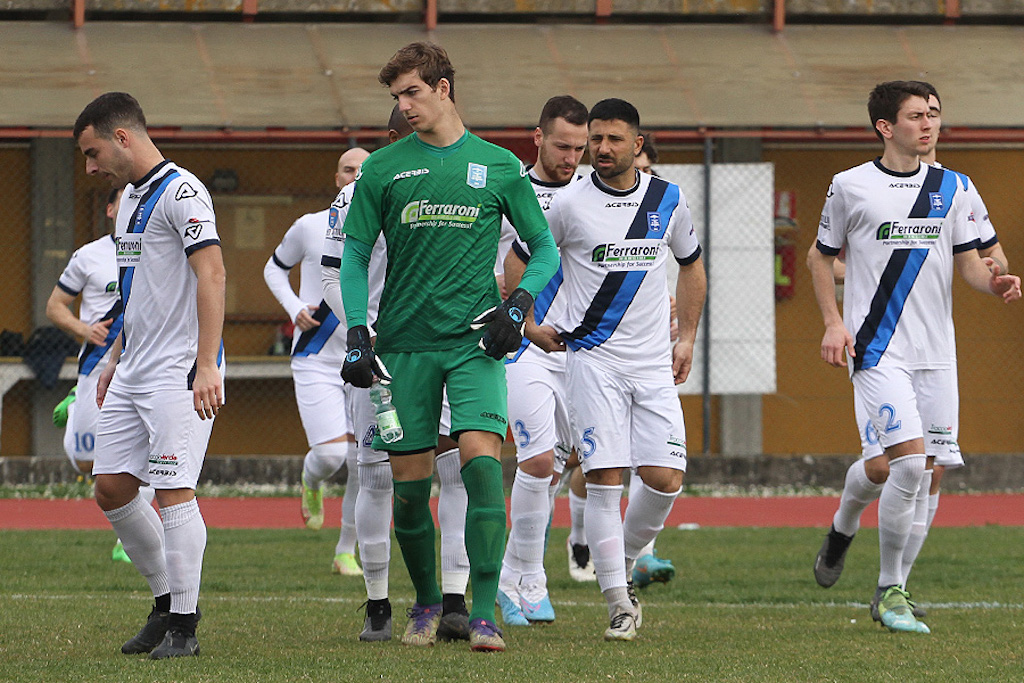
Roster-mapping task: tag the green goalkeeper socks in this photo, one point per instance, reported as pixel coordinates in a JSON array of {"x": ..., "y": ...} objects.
[
  {"x": 414, "y": 529},
  {"x": 485, "y": 531}
]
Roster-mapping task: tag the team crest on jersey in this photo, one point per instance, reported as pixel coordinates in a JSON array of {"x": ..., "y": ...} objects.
[
  {"x": 185, "y": 191},
  {"x": 476, "y": 176},
  {"x": 935, "y": 198},
  {"x": 332, "y": 218},
  {"x": 654, "y": 226}
]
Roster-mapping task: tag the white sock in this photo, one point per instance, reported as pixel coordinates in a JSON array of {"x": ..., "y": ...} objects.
[
  {"x": 141, "y": 532},
  {"x": 919, "y": 527},
  {"x": 858, "y": 493},
  {"x": 347, "y": 538},
  {"x": 604, "y": 534},
  {"x": 933, "y": 507},
  {"x": 635, "y": 482},
  {"x": 896, "y": 515},
  {"x": 451, "y": 515},
  {"x": 577, "y": 531},
  {"x": 645, "y": 517},
  {"x": 373, "y": 526},
  {"x": 322, "y": 461},
  {"x": 529, "y": 510},
  {"x": 185, "y": 532},
  {"x": 148, "y": 493}
]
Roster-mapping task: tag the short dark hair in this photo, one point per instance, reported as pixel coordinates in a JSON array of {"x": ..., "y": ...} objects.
[
  {"x": 649, "y": 149},
  {"x": 614, "y": 109},
  {"x": 429, "y": 61},
  {"x": 885, "y": 100},
  {"x": 931, "y": 90},
  {"x": 112, "y": 197},
  {"x": 110, "y": 111},
  {"x": 562, "y": 107},
  {"x": 398, "y": 123}
]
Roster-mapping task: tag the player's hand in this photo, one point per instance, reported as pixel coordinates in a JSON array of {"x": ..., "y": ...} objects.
[
  {"x": 103, "y": 383},
  {"x": 1005, "y": 286},
  {"x": 504, "y": 324},
  {"x": 361, "y": 363},
  {"x": 837, "y": 339},
  {"x": 98, "y": 332},
  {"x": 207, "y": 391},
  {"x": 304, "y": 320},
  {"x": 682, "y": 360},
  {"x": 545, "y": 337}
]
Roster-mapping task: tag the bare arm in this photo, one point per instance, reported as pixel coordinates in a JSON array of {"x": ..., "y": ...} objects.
[
  {"x": 984, "y": 275},
  {"x": 58, "y": 310},
  {"x": 691, "y": 291},
  {"x": 837, "y": 338},
  {"x": 207, "y": 388}
]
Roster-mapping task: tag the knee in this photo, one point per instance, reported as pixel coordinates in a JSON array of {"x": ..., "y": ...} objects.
[
  {"x": 877, "y": 470},
  {"x": 662, "y": 479},
  {"x": 540, "y": 466},
  {"x": 113, "y": 492}
]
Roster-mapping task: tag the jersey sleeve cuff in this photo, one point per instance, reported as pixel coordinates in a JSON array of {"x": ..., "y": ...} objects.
[
  {"x": 279, "y": 263},
  {"x": 200, "y": 245},
  {"x": 967, "y": 246},
  {"x": 988, "y": 244},
  {"x": 691, "y": 258},
  {"x": 827, "y": 250},
  {"x": 520, "y": 251},
  {"x": 68, "y": 290}
]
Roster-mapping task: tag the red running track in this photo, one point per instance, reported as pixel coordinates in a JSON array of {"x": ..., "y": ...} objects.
[{"x": 282, "y": 513}]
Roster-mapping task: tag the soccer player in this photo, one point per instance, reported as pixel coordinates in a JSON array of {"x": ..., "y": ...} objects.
[
  {"x": 537, "y": 408},
  {"x": 317, "y": 354},
  {"x": 904, "y": 225},
  {"x": 91, "y": 273},
  {"x": 615, "y": 230},
  {"x": 439, "y": 195},
  {"x": 865, "y": 478},
  {"x": 160, "y": 394},
  {"x": 650, "y": 568},
  {"x": 373, "y": 509}
]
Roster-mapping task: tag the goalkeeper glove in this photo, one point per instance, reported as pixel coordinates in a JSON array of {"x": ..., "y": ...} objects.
[
  {"x": 361, "y": 363},
  {"x": 504, "y": 324}
]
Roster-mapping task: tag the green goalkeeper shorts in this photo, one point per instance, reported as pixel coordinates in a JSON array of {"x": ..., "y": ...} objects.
[{"x": 476, "y": 387}]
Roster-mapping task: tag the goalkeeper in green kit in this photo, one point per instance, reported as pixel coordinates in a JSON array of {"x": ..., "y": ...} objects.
[{"x": 439, "y": 196}]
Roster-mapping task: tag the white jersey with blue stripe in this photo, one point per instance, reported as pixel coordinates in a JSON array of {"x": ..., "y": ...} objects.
[
  {"x": 549, "y": 304},
  {"x": 614, "y": 245},
  {"x": 979, "y": 212},
  {"x": 901, "y": 231},
  {"x": 162, "y": 220},
  {"x": 92, "y": 272},
  {"x": 302, "y": 246}
]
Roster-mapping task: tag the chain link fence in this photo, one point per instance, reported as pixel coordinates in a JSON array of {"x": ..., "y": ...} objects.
[{"x": 757, "y": 378}]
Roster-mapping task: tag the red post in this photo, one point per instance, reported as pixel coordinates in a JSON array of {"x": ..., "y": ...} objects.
[
  {"x": 78, "y": 13},
  {"x": 779, "y": 16},
  {"x": 603, "y": 9},
  {"x": 250, "y": 8},
  {"x": 952, "y": 12},
  {"x": 430, "y": 15}
]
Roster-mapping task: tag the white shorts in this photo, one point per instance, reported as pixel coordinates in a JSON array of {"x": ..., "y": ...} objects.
[
  {"x": 157, "y": 437},
  {"x": 894, "y": 405},
  {"x": 364, "y": 422},
  {"x": 83, "y": 416},
  {"x": 538, "y": 414},
  {"x": 619, "y": 421},
  {"x": 322, "y": 397}
]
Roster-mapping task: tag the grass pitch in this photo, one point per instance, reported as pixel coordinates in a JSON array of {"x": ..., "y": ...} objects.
[{"x": 743, "y": 607}]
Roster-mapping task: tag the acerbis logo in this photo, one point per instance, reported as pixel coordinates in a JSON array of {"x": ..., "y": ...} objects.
[
  {"x": 902, "y": 231},
  {"x": 907, "y": 186},
  {"x": 411, "y": 174},
  {"x": 185, "y": 191},
  {"x": 493, "y": 416},
  {"x": 621, "y": 205}
]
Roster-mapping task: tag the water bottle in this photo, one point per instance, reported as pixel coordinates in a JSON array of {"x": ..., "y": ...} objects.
[{"x": 388, "y": 426}]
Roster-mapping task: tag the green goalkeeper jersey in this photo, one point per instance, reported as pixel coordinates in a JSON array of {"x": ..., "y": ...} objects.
[{"x": 440, "y": 210}]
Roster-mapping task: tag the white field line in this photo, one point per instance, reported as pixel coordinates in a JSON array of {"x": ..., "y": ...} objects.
[{"x": 562, "y": 603}]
